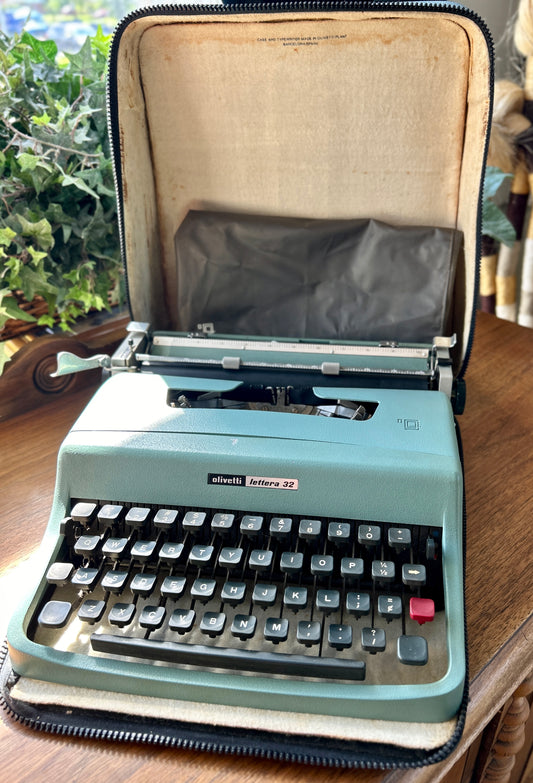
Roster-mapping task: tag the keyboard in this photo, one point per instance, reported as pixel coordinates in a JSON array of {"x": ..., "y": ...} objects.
[
  {"x": 335, "y": 589},
  {"x": 261, "y": 593}
]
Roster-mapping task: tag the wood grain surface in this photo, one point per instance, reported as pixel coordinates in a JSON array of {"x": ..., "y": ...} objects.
[{"x": 497, "y": 431}]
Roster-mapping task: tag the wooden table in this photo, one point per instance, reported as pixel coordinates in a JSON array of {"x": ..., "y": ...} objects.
[{"x": 497, "y": 429}]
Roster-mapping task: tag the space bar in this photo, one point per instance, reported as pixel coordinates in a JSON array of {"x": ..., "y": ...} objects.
[{"x": 227, "y": 658}]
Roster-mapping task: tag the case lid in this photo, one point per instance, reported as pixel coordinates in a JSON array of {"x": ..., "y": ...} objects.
[{"x": 337, "y": 112}]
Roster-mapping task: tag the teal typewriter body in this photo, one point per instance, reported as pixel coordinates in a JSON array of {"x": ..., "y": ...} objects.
[
  {"x": 258, "y": 520},
  {"x": 355, "y": 498}
]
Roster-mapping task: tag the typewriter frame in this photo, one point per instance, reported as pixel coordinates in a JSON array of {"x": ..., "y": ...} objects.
[{"x": 146, "y": 229}]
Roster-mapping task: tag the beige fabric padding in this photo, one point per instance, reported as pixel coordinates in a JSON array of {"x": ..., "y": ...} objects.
[{"x": 424, "y": 736}]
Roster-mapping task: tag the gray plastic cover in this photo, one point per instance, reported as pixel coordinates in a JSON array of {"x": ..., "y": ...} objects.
[{"x": 308, "y": 278}]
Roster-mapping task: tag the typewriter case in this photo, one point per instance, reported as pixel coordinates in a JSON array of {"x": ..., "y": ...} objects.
[
  {"x": 317, "y": 111},
  {"x": 326, "y": 113}
]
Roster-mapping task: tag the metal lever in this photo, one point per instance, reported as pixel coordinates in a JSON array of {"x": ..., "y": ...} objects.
[{"x": 68, "y": 363}]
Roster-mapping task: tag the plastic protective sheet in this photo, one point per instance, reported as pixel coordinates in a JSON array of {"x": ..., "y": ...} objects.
[{"x": 308, "y": 278}]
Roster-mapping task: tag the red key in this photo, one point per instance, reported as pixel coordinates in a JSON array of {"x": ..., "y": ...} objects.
[{"x": 422, "y": 610}]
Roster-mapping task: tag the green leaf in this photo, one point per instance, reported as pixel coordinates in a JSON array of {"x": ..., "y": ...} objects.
[
  {"x": 41, "y": 231},
  {"x": 494, "y": 179},
  {"x": 37, "y": 256},
  {"x": 44, "y": 119},
  {"x": 32, "y": 283},
  {"x": 41, "y": 50},
  {"x": 82, "y": 61},
  {"x": 7, "y": 235},
  {"x": 77, "y": 182},
  {"x": 10, "y": 309},
  {"x": 497, "y": 225},
  {"x": 27, "y": 162},
  {"x": 46, "y": 320},
  {"x": 101, "y": 42}
]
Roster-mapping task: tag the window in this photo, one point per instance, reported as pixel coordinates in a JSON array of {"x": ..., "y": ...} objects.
[{"x": 66, "y": 23}]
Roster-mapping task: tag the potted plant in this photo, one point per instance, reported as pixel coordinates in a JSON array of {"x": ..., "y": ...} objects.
[{"x": 59, "y": 246}]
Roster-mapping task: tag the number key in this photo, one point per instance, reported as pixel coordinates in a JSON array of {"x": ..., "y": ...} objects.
[
  {"x": 194, "y": 520},
  {"x": 222, "y": 523},
  {"x": 136, "y": 517},
  {"x": 339, "y": 532},
  {"x": 369, "y": 535},
  {"x": 251, "y": 526},
  {"x": 280, "y": 527},
  {"x": 165, "y": 518},
  {"x": 310, "y": 529},
  {"x": 110, "y": 514}
]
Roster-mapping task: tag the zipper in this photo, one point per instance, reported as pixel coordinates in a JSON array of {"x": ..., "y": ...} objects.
[{"x": 122, "y": 728}]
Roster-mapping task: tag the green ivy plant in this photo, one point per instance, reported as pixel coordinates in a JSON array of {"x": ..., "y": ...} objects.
[{"x": 58, "y": 227}]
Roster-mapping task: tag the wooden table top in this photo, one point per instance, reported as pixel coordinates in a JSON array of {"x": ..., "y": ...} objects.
[{"x": 497, "y": 431}]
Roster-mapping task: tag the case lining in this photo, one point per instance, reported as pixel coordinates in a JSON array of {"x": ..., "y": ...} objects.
[
  {"x": 419, "y": 736},
  {"x": 338, "y": 115}
]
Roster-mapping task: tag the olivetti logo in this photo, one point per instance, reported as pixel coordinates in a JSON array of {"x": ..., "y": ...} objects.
[
  {"x": 258, "y": 482},
  {"x": 226, "y": 478}
]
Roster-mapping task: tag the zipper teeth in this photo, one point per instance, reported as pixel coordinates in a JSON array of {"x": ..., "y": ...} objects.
[{"x": 221, "y": 10}]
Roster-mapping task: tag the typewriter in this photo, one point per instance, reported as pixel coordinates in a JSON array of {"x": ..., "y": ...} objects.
[
  {"x": 259, "y": 516},
  {"x": 260, "y": 523}
]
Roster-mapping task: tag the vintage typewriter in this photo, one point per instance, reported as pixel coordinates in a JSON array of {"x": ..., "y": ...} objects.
[
  {"x": 257, "y": 528},
  {"x": 259, "y": 521}
]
